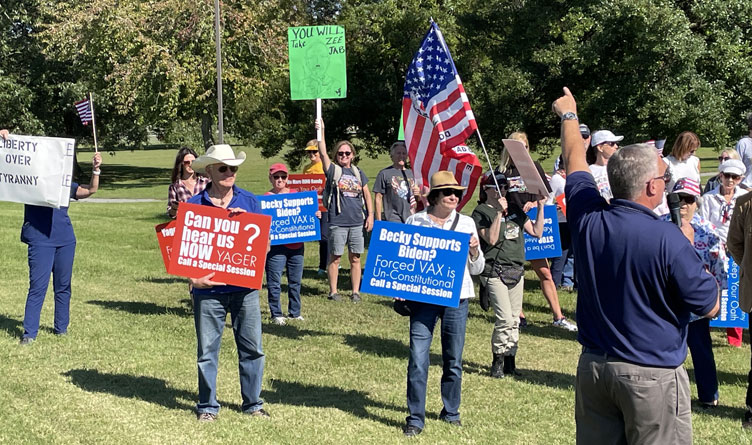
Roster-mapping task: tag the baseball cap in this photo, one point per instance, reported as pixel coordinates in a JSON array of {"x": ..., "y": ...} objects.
[
  {"x": 687, "y": 186},
  {"x": 278, "y": 167},
  {"x": 601, "y": 136}
]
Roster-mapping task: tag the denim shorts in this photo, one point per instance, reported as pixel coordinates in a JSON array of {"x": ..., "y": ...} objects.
[{"x": 352, "y": 236}]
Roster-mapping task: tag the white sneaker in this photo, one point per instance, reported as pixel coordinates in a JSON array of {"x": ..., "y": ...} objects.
[
  {"x": 298, "y": 318},
  {"x": 566, "y": 324},
  {"x": 279, "y": 321}
]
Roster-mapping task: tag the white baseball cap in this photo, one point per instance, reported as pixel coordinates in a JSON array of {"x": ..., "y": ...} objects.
[
  {"x": 733, "y": 166},
  {"x": 602, "y": 136}
]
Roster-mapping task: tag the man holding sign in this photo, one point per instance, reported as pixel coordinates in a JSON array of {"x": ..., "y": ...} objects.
[
  {"x": 52, "y": 245},
  {"x": 213, "y": 299}
]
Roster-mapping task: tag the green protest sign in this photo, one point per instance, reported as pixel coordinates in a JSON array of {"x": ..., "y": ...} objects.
[{"x": 318, "y": 68}]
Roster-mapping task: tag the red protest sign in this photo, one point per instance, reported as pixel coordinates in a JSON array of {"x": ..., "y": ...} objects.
[
  {"x": 304, "y": 183},
  {"x": 208, "y": 240},
  {"x": 165, "y": 234},
  {"x": 562, "y": 201}
]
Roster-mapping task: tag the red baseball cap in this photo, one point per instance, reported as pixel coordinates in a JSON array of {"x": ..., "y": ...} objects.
[{"x": 278, "y": 167}]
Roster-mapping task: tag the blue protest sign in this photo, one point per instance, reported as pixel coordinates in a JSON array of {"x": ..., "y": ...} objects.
[
  {"x": 549, "y": 244},
  {"x": 293, "y": 217},
  {"x": 416, "y": 263},
  {"x": 730, "y": 315}
]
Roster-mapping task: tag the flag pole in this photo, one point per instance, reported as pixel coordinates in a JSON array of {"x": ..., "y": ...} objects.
[
  {"x": 485, "y": 152},
  {"x": 218, "y": 41},
  {"x": 93, "y": 122}
]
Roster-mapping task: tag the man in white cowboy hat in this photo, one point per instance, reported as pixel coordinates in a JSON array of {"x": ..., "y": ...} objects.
[{"x": 213, "y": 300}]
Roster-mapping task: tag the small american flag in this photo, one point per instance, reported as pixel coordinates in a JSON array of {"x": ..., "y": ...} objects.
[
  {"x": 84, "y": 111},
  {"x": 437, "y": 117}
]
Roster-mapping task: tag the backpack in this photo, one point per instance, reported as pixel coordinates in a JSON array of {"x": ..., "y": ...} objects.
[{"x": 332, "y": 189}]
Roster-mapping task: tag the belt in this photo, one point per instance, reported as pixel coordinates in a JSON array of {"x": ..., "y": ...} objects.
[{"x": 597, "y": 351}]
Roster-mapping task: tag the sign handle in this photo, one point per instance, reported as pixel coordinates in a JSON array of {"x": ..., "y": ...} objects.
[{"x": 319, "y": 136}]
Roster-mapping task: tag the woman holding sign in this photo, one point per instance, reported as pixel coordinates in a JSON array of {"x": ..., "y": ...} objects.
[
  {"x": 345, "y": 196},
  {"x": 52, "y": 245},
  {"x": 213, "y": 300},
  {"x": 518, "y": 195},
  {"x": 445, "y": 193},
  {"x": 500, "y": 225},
  {"x": 283, "y": 256}
]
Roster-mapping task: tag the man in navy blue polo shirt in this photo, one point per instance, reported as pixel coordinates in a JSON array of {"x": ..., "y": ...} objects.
[{"x": 639, "y": 279}]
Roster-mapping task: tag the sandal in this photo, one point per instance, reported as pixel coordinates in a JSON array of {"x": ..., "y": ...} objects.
[
  {"x": 355, "y": 297},
  {"x": 334, "y": 296}
]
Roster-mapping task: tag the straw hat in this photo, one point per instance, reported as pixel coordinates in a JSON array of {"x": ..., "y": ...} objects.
[
  {"x": 444, "y": 180},
  {"x": 218, "y": 154}
]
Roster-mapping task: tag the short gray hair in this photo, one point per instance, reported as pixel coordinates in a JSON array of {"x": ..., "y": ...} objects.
[
  {"x": 395, "y": 145},
  {"x": 630, "y": 168}
]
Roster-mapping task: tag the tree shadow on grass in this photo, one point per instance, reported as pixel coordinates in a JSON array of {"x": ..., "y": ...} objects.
[
  {"x": 165, "y": 280},
  {"x": 11, "y": 326},
  {"x": 721, "y": 411},
  {"x": 129, "y": 177},
  {"x": 142, "y": 308},
  {"x": 291, "y": 331},
  {"x": 532, "y": 307},
  {"x": 349, "y": 401},
  {"x": 148, "y": 389}
]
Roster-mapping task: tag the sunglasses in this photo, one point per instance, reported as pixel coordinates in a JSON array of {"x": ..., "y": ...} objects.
[
  {"x": 731, "y": 176},
  {"x": 223, "y": 169},
  {"x": 666, "y": 176},
  {"x": 279, "y": 176},
  {"x": 187, "y": 162},
  {"x": 723, "y": 158},
  {"x": 450, "y": 192},
  {"x": 344, "y": 153},
  {"x": 687, "y": 199}
]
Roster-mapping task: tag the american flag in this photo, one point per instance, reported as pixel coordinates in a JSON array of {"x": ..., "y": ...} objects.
[
  {"x": 437, "y": 117},
  {"x": 84, "y": 111}
]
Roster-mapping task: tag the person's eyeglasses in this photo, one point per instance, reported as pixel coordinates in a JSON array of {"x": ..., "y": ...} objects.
[
  {"x": 344, "y": 153},
  {"x": 666, "y": 176},
  {"x": 688, "y": 199},
  {"x": 223, "y": 169},
  {"x": 279, "y": 176},
  {"x": 187, "y": 162},
  {"x": 450, "y": 192},
  {"x": 731, "y": 176},
  {"x": 723, "y": 158}
]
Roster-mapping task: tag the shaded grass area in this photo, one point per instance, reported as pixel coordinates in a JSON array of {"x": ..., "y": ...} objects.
[{"x": 126, "y": 373}]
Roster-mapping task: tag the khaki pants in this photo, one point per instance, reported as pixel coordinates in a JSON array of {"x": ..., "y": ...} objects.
[
  {"x": 507, "y": 305},
  {"x": 617, "y": 402}
]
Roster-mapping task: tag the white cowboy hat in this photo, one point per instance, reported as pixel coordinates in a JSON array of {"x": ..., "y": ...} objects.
[{"x": 218, "y": 154}]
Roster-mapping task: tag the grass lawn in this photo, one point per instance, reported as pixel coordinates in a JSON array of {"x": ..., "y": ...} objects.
[{"x": 126, "y": 372}]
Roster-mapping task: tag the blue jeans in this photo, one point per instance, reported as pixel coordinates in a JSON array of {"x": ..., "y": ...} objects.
[
  {"x": 43, "y": 261},
  {"x": 701, "y": 348},
  {"x": 209, "y": 314},
  {"x": 422, "y": 321},
  {"x": 276, "y": 259}
]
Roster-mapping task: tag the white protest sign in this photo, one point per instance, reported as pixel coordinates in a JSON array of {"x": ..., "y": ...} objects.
[
  {"x": 36, "y": 170},
  {"x": 526, "y": 167}
]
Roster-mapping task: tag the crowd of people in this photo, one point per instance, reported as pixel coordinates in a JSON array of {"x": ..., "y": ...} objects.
[{"x": 637, "y": 316}]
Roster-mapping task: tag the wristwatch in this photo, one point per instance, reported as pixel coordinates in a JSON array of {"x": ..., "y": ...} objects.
[{"x": 568, "y": 116}]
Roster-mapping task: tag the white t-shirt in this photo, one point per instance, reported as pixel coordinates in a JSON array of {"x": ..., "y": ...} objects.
[
  {"x": 684, "y": 169},
  {"x": 601, "y": 180},
  {"x": 744, "y": 148}
]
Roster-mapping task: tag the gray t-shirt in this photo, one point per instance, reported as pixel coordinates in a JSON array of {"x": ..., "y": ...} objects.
[
  {"x": 391, "y": 183},
  {"x": 744, "y": 148},
  {"x": 350, "y": 190}
]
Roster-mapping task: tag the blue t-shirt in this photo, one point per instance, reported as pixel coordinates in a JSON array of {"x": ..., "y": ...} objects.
[
  {"x": 240, "y": 198},
  {"x": 46, "y": 226},
  {"x": 638, "y": 278}
]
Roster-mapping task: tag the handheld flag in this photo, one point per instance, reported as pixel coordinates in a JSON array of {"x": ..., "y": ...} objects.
[
  {"x": 84, "y": 111},
  {"x": 437, "y": 118}
]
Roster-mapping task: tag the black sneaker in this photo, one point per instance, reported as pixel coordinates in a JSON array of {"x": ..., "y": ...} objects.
[
  {"x": 206, "y": 417},
  {"x": 455, "y": 422},
  {"x": 411, "y": 430},
  {"x": 747, "y": 422},
  {"x": 26, "y": 341},
  {"x": 523, "y": 322},
  {"x": 334, "y": 297},
  {"x": 260, "y": 413}
]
